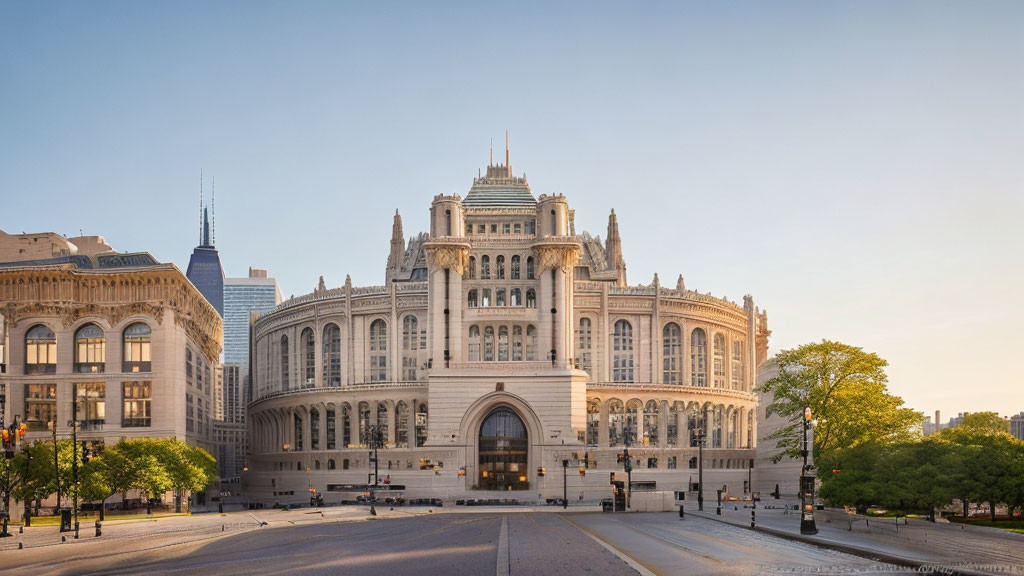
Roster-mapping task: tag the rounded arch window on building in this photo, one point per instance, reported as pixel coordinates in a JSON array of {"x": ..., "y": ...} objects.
[
  {"x": 503, "y": 451},
  {"x": 40, "y": 350},
  {"x": 138, "y": 339},
  {"x": 90, "y": 349}
]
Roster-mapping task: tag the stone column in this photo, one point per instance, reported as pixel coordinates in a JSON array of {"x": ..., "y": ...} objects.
[
  {"x": 663, "y": 424},
  {"x": 602, "y": 429}
]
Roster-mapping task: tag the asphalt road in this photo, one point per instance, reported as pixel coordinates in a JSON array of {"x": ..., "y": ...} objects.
[{"x": 449, "y": 544}]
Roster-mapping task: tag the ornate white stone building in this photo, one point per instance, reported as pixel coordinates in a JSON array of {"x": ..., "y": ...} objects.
[{"x": 502, "y": 344}]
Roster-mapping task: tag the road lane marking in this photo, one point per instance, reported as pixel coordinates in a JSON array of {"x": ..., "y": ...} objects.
[
  {"x": 503, "y": 559},
  {"x": 633, "y": 563}
]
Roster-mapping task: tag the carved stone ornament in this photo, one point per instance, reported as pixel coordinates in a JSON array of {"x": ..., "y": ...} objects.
[
  {"x": 448, "y": 257},
  {"x": 558, "y": 257}
]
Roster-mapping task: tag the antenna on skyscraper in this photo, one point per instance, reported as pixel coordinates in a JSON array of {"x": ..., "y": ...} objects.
[
  {"x": 491, "y": 162},
  {"x": 213, "y": 208},
  {"x": 200, "y": 206},
  {"x": 508, "y": 165}
]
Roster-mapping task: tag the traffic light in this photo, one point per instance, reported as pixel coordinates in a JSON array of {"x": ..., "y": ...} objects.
[{"x": 6, "y": 436}]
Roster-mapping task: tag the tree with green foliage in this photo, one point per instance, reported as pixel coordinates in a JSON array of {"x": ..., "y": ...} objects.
[
  {"x": 190, "y": 469},
  {"x": 845, "y": 389},
  {"x": 985, "y": 422}
]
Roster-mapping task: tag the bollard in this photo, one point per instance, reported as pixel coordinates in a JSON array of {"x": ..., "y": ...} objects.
[
  {"x": 21, "y": 545},
  {"x": 221, "y": 527},
  {"x": 21, "y": 529},
  {"x": 63, "y": 538},
  {"x": 681, "y": 513},
  {"x": 753, "y": 518},
  {"x": 99, "y": 529}
]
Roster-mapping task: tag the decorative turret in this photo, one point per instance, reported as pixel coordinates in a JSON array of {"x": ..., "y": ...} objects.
[
  {"x": 613, "y": 249},
  {"x": 761, "y": 335},
  {"x": 397, "y": 248}
]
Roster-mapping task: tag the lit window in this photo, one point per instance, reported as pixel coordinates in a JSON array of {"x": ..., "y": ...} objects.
[
  {"x": 698, "y": 358},
  {"x": 90, "y": 349},
  {"x": 622, "y": 358},
  {"x": 137, "y": 341},
  {"x": 40, "y": 351}
]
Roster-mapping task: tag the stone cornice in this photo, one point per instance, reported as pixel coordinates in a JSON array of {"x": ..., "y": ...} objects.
[{"x": 69, "y": 294}]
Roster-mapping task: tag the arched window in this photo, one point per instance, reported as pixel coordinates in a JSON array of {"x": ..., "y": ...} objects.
[
  {"x": 309, "y": 357},
  {"x": 188, "y": 364},
  {"x": 500, "y": 297},
  {"x": 284, "y": 362},
  {"x": 651, "y": 423},
  {"x": 719, "y": 361},
  {"x": 499, "y": 263},
  {"x": 583, "y": 344},
  {"x": 503, "y": 451},
  {"x": 471, "y": 299},
  {"x": 529, "y": 267},
  {"x": 739, "y": 372},
  {"x": 40, "y": 351},
  {"x": 675, "y": 409},
  {"x": 698, "y": 358},
  {"x": 503, "y": 344},
  {"x": 401, "y": 424},
  {"x": 632, "y": 423},
  {"x": 474, "y": 343},
  {"x": 472, "y": 267},
  {"x": 488, "y": 344},
  {"x": 332, "y": 355},
  {"x": 515, "y": 268},
  {"x": 346, "y": 425},
  {"x": 672, "y": 354},
  {"x": 330, "y": 464},
  {"x": 531, "y": 298},
  {"x": 622, "y": 352},
  {"x": 717, "y": 418},
  {"x": 382, "y": 422},
  {"x": 298, "y": 437},
  {"x": 696, "y": 421},
  {"x": 616, "y": 415},
  {"x": 91, "y": 349},
  {"x": 137, "y": 341},
  {"x": 531, "y": 344},
  {"x": 485, "y": 267},
  {"x": 378, "y": 351},
  {"x": 517, "y": 343},
  {"x": 593, "y": 422},
  {"x": 317, "y": 464},
  {"x": 515, "y": 297},
  {"x": 410, "y": 346},
  {"x": 485, "y": 300}
]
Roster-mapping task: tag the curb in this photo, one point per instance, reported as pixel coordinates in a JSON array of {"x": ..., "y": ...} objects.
[{"x": 848, "y": 549}]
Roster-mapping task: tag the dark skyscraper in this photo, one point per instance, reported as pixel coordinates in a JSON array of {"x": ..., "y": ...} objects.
[{"x": 204, "y": 269}]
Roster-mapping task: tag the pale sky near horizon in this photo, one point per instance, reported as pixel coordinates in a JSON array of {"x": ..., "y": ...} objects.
[{"x": 856, "y": 167}]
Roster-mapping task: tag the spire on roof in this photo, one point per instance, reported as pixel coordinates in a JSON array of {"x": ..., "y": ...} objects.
[{"x": 508, "y": 164}]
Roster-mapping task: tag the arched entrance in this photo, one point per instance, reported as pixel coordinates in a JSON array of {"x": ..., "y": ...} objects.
[{"x": 503, "y": 446}]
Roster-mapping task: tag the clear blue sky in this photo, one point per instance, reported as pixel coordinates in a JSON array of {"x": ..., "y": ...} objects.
[{"x": 857, "y": 166}]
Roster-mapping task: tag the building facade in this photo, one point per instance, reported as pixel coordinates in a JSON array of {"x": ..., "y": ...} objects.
[
  {"x": 204, "y": 268},
  {"x": 130, "y": 338},
  {"x": 503, "y": 345},
  {"x": 1017, "y": 426},
  {"x": 256, "y": 293}
]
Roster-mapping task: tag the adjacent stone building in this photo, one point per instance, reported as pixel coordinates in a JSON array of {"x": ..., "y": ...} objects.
[{"x": 503, "y": 345}]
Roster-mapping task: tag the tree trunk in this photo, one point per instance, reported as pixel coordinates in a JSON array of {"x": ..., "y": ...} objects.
[
  {"x": 103, "y": 509},
  {"x": 966, "y": 504},
  {"x": 992, "y": 509},
  {"x": 28, "y": 512}
]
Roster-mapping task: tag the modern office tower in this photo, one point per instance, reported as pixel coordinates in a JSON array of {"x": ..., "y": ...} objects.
[
  {"x": 1017, "y": 426},
  {"x": 204, "y": 268},
  {"x": 256, "y": 293}
]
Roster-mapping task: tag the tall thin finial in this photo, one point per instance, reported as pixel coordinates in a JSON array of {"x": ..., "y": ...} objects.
[
  {"x": 200, "y": 206},
  {"x": 508, "y": 166},
  {"x": 213, "y": 208},
  {"x": 491, "y": 162}
]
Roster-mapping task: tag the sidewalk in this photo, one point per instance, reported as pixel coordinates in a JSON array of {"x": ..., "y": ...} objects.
[{"x": 945, "y": 548}]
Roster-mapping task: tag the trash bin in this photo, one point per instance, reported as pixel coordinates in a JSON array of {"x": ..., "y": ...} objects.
[{"x": 65, "y": 519}]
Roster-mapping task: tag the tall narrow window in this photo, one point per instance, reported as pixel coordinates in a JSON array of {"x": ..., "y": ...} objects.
[
  {"x": 515, "y": 266},
  {"x": 364, "y": 423},
  {"x": 485, "y": 267},
  {"x": 421, "y": 423},
  {"x": 531, "y": 344},
  {"x": 515, "y": 297},
  {"x": 137, "y": 341},
  {"x": 698, "y": 358},
  {"x": 529, "y": 267},
  {"x": 297, "y": 420},
  {"x": 488, "y": 344},
  {"x": 632, "y": 429},
  {"x": 622, "y": 352},
  {"x": 719, "y": 361},
  {"x": 593, "y": 422},
  {"x": 284, "y": 362},
  {"x": 92, "y": 405},
  {"x": 583, "y": 344},
  {"x": 332, "y": 431},
  {"x": 739, "y": 373},
  {"x": 309, "y": 355},
  {"x": 346, "y": 425},
  {"x": 517, "y": 343},
  {"x": 471, "y": 300},
  {"x": 672, "y": 354},
  {"x": 332, "y": 355},
  {"x": 40, "y": 351},
  {"x": 499, "y": 263},
  {"x": 651, "y": 423},
  {"x": 382, "y": 422},
  {"x": 615, "y": 423},
  {"x": 90, "y": 349},
  {"x": 136, "y": 398},
  {"x": 531, "y": 298},
  {"x": 474, "y": 343},
  {"x": 485, "y": 299},
  {"x": 499, "y": 297},
  {"x": 401, "y": 424},
  {"x": 472, "y": 267},
  {"x": 314, "y": 429},
  {"x": 503, "y": 344},
  {"x": 378, "y": 351},
  {"x": 410, "y": 344}
]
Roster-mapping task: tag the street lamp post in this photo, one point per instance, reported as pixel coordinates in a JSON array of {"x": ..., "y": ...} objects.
[
  {"x": 565, "y": 490},
  {"x": 701, "y": 436},
  {"x": 375, "y": 433},
  {"x": 74, "y": 455},
  {"x": 56, "y": 467},
  {"x": 807, "y": 525}
]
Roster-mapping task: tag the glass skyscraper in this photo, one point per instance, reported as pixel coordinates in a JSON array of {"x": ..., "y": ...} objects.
[{"x": 257, "y": 293}]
